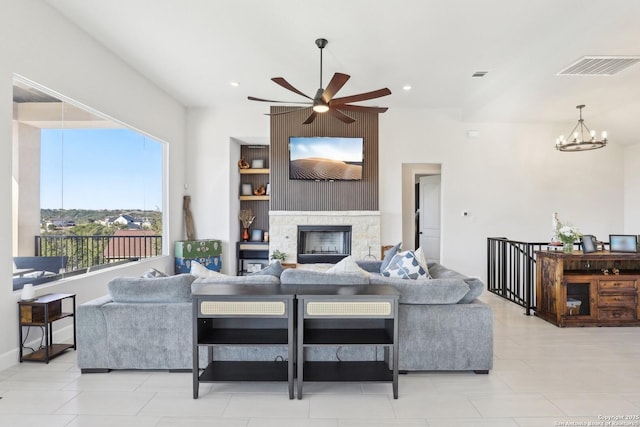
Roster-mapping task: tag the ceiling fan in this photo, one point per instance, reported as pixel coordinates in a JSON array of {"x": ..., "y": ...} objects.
[{"x": 324, "y": 101}]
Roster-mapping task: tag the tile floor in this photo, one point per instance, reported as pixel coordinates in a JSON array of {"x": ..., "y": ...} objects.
[{"x": 543, "y": 376}]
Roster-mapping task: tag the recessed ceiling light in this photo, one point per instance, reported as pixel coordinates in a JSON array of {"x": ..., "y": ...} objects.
[
  {"x": 234, "y": 84},
  {"x": 479, "y": 74},
  {"x": 406, "y": 87}
]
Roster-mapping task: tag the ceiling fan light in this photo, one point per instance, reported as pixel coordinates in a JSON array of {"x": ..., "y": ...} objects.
[{"x": 320, "y": 108}]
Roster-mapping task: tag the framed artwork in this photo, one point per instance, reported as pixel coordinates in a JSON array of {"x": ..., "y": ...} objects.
[
  {"x": 588, "y": 243},
  {"x": 257, "y": 164},
  {"x": 247, "y": 190},
  {"x": 623, "y": 243},
  {"x": 256, "y": 235}
]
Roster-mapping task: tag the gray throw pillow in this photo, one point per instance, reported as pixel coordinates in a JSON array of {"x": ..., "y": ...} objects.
[
  {"x": 160, "y": 289},
  {"x": 152, "y": 272},
  {"x": 273, "y": 269},
  {"x": 388, "y": 255}
]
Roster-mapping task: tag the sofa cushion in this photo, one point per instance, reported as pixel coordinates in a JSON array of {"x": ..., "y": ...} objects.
[
  {"x": 425, "y": 291},
  {"x": 273, "y": 269},
  {"x": 388, "y": 255},
  {"x": 160, "y": 289},
  {"x": 405, "y": 265},
  {"x": 296, "y": 276}
]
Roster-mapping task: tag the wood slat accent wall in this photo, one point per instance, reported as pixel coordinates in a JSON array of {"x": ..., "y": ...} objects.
[{"x": 298, "y": 195}]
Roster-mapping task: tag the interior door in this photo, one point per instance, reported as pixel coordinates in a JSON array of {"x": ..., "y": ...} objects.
[{"x": 430, "y": 216}]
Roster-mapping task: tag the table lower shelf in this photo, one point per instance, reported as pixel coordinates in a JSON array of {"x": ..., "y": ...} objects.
[
  {"x": 228, "y": 371},
  {"x": 347, "y": 371},
  {"x": 41, "y": 356}
]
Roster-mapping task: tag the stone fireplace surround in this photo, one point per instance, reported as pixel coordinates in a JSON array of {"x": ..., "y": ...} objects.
[{"x": 365, "y": 230}]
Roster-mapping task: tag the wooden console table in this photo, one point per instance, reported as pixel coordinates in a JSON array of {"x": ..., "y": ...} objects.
[
  {"x": 595, "y": 289},
  {"x": 332, "y": 315},
  {"x": 243, "y": 315}
]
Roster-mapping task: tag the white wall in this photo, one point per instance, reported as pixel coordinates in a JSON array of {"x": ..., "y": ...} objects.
[
  {"x": 55, "y": 54},
  {"x": 631, "y": 190},
  {"x": 212, "y": 172},
  {"x": 510, "y": 179}
]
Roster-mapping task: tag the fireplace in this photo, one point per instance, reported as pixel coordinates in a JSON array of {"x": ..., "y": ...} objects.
[{"x": 323, "y": 243}]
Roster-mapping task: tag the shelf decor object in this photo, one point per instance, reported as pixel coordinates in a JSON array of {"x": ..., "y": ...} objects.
[
  {"x": 581, "y": 138},
  {"x": 246, "y": 217},
  {"x": 257, "y": 164}
]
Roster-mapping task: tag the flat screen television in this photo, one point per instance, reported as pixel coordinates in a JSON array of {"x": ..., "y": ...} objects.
[{"x": 322, "y": 158}]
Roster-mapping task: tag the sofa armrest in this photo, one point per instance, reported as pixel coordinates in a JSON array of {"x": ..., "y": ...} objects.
[
  {"x": 308, "y": 277},
  {"x": 476, "y": 287},
  {"x": 91, "y": 334}
]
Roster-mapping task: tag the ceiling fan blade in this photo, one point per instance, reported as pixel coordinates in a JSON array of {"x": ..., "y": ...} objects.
[
  {"x": 253, "y": 98},
  {"x": 340, "y": 116},
  {"x": 362, "y": 96},
  {"x": 337, "y": 81},
  {"x": 311, "y": 118},
  {"x": 288, "y": 112},
  {"x": 361, "y": 108},
  {"x": 285, "y": 84}
]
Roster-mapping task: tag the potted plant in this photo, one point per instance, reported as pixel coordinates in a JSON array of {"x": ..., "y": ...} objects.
[{"x": 277, "y": 254}]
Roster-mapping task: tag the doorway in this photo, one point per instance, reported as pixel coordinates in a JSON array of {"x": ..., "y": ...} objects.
[
  {"x": 428, "y": 217},
  {"x": 421, "y": 207}
]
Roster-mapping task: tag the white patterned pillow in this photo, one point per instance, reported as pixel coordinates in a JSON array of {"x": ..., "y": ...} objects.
[
  {"x": 200, "y": 270},
  {"x": 405, "y": 265},
  {"x": 422, "y": 259},
  {"x": 347, "y": 265}
]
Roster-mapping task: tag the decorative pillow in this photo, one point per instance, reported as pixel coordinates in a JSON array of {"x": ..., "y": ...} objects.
[
  {"x": 273, "y": 269},
  {"x": 388, "y": 255},
  {"x": 160, "y": 289},
  {"x": 347, "y": 265},
  {"x": 405, "y": 265},
  {"x": 422, "y": 260},
  {"x": 200, "y": 270},
  {"x": 153, "y": 273}
]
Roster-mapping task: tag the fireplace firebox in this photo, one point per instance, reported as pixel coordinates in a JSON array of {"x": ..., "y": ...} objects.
[{"x": 323, "y": 243}]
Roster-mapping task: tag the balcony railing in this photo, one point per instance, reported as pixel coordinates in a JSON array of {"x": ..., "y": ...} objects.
[
  {"x": 84, "y": 252},
  {"x": 511, "y": 270}
]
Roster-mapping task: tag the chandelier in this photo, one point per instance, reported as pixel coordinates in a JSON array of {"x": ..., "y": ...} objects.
[{"x": 578, "y": 141}]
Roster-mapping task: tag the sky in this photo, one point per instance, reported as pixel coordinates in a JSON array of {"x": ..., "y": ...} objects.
[
  {"x": 100, "y": 169},
  {"x": 346, "y": 149}
]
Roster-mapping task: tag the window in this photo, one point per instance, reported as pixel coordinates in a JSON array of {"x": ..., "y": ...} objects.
[{"x": 87, "y": 191}]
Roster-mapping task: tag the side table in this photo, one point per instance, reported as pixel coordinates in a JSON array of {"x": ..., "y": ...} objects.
[
  {"x": 243, "y": 315},
  {"x": 330, "y": 315},
  {"x": 43, "y": 312}
]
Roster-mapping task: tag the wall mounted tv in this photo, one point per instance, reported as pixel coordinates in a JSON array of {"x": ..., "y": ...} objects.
[{"x": 322, "y": 158}]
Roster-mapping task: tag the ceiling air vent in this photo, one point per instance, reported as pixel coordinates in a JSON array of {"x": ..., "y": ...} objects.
[{"x": 599, "y": 65}]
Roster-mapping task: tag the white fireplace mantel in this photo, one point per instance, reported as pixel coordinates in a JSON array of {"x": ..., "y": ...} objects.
[{"x": 283, "y": 230}]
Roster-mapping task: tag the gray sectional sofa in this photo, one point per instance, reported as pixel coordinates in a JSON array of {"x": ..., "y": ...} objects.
[{"x": 146, "y": 323}]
